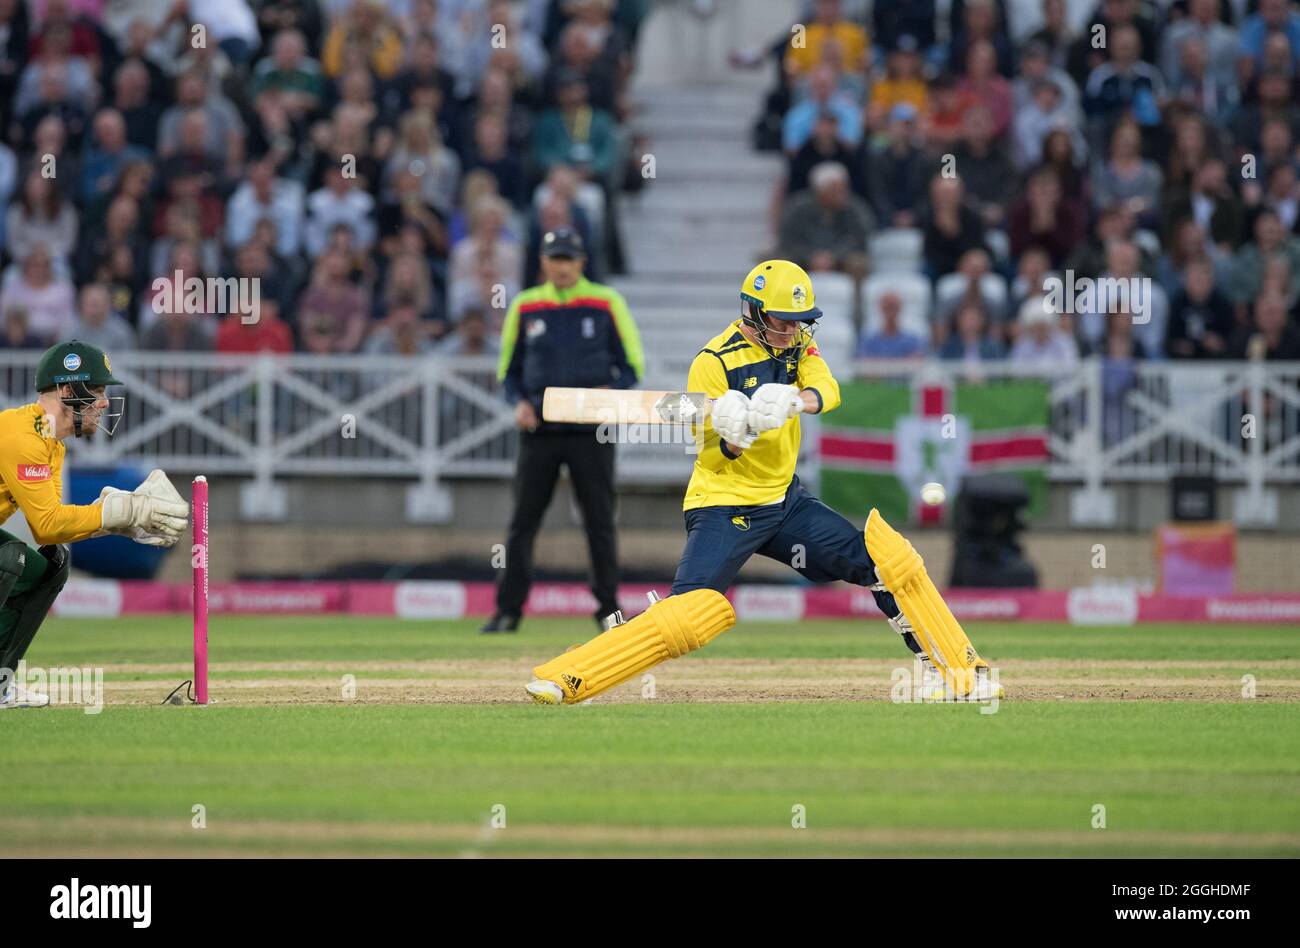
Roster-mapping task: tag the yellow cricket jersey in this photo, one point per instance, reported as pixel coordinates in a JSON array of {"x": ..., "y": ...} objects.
[
  {"x": 762, "y": 473},
  {"x": 31, "y": 480}
]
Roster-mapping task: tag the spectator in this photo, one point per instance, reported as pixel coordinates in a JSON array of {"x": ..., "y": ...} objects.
[
  {"x": 898, "y": 171},
  {"x": 471, "y": 338},
  {"x": 264, "y": 196},
  {"x": 365, "y": 34},
  {"x": 1044, "y": 218},
  {"x": 986, "y": 171},
  {"x": 106, "y": 155},
  {"x": 981, "y": 83},
  {"x": 230, "y": 23},
  {"x": 420, "y": 150},
  {"x": 1066, "y": 154},
  {"x": 1274, "y": 101},
  {"x": 1139, "y": 296},
  {"x": 1273, "y": 16},
  {"x": 970, "y": 340},
  {"x": 1041, "y": 341},
  {"x": 265, "y": 332},
  {"x": 341, "y": 201},
  {"x": 17, "y": 332},
  {"x": 1055, "y": 34},
  {"x": 826, "y": 227},
  {"x": 224, "y": 132},
  {"x": 492, "y": 155},
  {"x": 402, "y": 332},
  {"x": 952, "y": 227},
  {"x": 1188, "y": 244},
  {"x": 43, "y": 217},
  {"x": 486, "y": 267},
  {"x": 1282, "y": 196},
  {"x": 290, "y": 74},
  {"x": 332, "y": 312},
  {"x": 829, "y": 25},
  {"x": 575, "y": 134},
  {"x": 52, "y": 100},
  {"x": 1036, "y": 68},
  {"x": 1126, "y": 177},
  {"x": 98, "y": 325},
  {"x": 893, "y": 22},
  {"x": 977, "y": 284},
  {"x": 1033, "y": 267},
  {"x": 408, "y": 284},
  {"x": 177, "y": 332},
  {"x": 981, "y": 23},
  {"x": 1218, "y": 41},
  {"x": 1124, "y": 82},
  {"x": 1270, "y": 240},
  {"x": 901, "y": 85},
  {"x": 822, "y": 97},
  {"x": 823, "y": 145},
  {"x": 46, "y": 297},
  {"x": 1201, "y": 322},
  {"x": 1043, "y": 114},
  {"x": 890, "y": 340},
  {"x": 1270, "y": 335},
  {"x": 133, "y": 101},
  {"x": 1198, "y": 87}
]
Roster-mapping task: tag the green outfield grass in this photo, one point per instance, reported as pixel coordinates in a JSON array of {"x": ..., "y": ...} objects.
[{"x": 1202, "y": 771}]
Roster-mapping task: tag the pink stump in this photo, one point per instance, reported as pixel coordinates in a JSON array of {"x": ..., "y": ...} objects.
[{"x": 200, "y": 562}]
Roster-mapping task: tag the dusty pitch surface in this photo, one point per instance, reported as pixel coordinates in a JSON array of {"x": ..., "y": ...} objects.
[{"x": 698, "y": 679}]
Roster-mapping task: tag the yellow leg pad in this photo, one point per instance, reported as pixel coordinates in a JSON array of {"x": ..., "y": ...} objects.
[
  {"x": 902, "y": 571},
  {"x": 669, "y": 628}
]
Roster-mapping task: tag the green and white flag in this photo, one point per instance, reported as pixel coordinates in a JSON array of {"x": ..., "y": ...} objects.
[{"x": 889, "y": 438}]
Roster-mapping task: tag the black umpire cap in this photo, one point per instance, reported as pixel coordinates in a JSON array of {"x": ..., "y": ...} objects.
[{"x": 563, "y": 242}]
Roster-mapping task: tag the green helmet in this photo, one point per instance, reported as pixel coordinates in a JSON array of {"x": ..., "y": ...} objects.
[
  {"x": 83, "y": 367},
  {"x": 73, "y": 361}
]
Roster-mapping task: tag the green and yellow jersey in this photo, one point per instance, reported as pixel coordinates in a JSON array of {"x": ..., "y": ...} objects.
[
  {"x": 762, "y": 473},
  {"x": 31, "y": 479}
]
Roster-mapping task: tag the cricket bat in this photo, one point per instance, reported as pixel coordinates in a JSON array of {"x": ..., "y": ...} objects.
[{"x": 602, "y": 406}]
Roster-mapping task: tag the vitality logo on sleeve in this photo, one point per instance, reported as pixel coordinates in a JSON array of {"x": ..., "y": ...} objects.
[{"x": 33, "y": 472}]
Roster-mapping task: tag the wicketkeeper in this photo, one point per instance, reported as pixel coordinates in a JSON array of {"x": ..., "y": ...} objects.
[
  {"x": 71, "y": 379},
  {"x": 764, "y": 372}
]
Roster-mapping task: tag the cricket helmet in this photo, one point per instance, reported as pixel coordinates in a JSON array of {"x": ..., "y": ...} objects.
[
  {"x": 82, "y": 367},
  {"x": 783, "y": 290}
]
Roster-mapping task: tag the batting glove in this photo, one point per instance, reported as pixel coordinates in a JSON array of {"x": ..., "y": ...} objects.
[
  {"x": 731, "y": 419},
  {"x": 773, "y": 405}
]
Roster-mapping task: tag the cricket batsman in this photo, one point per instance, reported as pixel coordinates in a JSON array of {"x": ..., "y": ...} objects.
[
  {"x": 71, "y": 380},
  {"x": 763, "y": 371}
]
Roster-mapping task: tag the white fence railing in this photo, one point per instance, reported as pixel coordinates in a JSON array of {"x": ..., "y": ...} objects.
[{"x": 264, "y": 418}]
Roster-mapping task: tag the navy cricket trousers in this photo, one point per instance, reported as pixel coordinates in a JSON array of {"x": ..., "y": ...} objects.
[{"x": 800, "y": 531}]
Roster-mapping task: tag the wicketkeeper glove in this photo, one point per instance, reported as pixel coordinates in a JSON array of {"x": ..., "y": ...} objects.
[
  {"x": 153, "y": 514},
  {"x": 773, "y": 405},
  {"x": 731, "y": 419}
]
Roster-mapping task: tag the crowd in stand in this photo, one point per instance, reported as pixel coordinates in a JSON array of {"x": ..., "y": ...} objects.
[
  {"x": 1159, "y": 142},
  {"x": 384, "y": 169}
]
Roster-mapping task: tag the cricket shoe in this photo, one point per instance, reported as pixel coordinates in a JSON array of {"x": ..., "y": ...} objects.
[
  {"x": 933, "y": 685},
  {"x": 500, "y": 623},
  {"x": 16, "y": 696},
  {"x": 984, "y": 688},
  {"x": 545, "y": 692}
]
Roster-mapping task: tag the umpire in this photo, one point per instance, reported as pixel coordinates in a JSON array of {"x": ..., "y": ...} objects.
[{"x": 567, "y": 332}]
